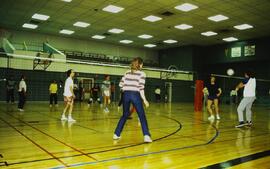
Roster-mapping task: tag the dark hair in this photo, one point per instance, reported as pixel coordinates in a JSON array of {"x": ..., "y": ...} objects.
[
  {"x": 249, "y": 73},
  {"x": 135, "y": 64},
  {"x": 69, "y": 72},
  {"x": 22, "y": 77}
]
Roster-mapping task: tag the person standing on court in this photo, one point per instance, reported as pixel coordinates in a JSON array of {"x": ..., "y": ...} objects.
[
  {"x": 53, "y": 93},
  {"x": 22, "y": 93},
  {"x": 249, "y": 96},
  {"x": 213, "y": 91},
  {"x": 69, "y": 96},
  {"x": 132, "y": 84},
  {"x": 10, "y": 87},
  {"x": 106, "y": 92}
]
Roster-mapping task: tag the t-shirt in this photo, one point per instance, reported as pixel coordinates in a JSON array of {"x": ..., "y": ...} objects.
[
  {"x": 53, "y": 88},
  {"x": 11, "y": 84},
  {"x": 68, "y": 84},
  {"x": 250, "y": 87},
  {"x": 212, "y": 89},
  {"x": 22, "y": 85},
  {"x": 106, "y": 86}
]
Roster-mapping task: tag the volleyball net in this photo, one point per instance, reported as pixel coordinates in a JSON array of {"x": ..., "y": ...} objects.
[{"x": 175, "y": 85}]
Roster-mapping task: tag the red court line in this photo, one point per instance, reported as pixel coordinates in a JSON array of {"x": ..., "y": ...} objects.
[
  {"x": 35, "y": 143},
  {"x": 75, "y": 149}
]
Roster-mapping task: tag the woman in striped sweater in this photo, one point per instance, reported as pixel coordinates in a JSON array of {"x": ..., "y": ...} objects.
[{"x": 132, "y": 84}]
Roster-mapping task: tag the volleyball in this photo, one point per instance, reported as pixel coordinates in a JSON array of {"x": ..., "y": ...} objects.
[{"x": 230, "y": 72}]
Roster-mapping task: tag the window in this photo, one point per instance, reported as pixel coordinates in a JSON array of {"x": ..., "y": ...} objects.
[
  {"x": 236, "y": 52},
  {"x": 249, "y": 50}
]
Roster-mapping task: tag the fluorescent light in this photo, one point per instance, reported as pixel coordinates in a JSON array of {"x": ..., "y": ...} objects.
[
  {"x": 170, "y": 41},
  {"x": 152, "y": 18},
  {"x": 150, "y": 45},
  {"x": 209, "y": 33},
  {"x": 115, "y": 30},
  {"x": 183, "y": 26},
  {"x": 66, "y": 31},
  {"x": 66, "y": 0},
  {"x": 243, "y": 26},
  {"x": 112, "y": 9},
  {"x": 40, "y": 17},
  {"x": 30, "y": 26},
  {"x": 230, "y": 39},
  {"x": 98, "y": 37},
  {"x": 186, "y": 7},
  {"x": 144, "y": 36},
  {"x": 81, "y": 24},
  {"x": 218, "y": 18},
  {"x": 126, "y": 41}
]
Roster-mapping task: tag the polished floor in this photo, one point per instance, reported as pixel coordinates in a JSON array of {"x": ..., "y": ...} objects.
[{"x": 182, "y": 138}]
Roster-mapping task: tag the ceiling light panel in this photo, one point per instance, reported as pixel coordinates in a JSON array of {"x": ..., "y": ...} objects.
[
  {"x": 113, "y": 9},
  {"x": 66, "y": 31},
  {"x": 152, "y": 18},
  {"x": 218, "y": 18},
  {"x": 115, "y": 30},
  {"x": 183, "y": 26},
  {"x": 81, "y": 24},
  {"x": 145, "y": 36},
  {"x": 29, "y": 26},
  {"x": 209, "y": 33},
  {"x": 98, "y": 37},
  {"x": 126, "y": 41},
  {"x": 170, "y": 41},
  {"x": 150, "y": 45},
  {"x": 230, "y": 39},
  {"x": 243, "y": 26},
  {"x": 40, "y": 17},
  {"x": 186, "y": 7}
]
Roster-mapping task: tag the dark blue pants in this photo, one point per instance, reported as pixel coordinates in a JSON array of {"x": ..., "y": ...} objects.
[
  {"x": 22, "y": 99},
  {"x": 134, "y": 98}
]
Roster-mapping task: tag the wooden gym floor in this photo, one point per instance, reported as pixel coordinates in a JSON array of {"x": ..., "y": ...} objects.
[{"x": 182, "y": 138}]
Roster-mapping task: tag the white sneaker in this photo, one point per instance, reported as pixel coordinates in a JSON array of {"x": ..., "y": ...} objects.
[
  {"x": 211, "y": 118},
  {"x": 218, "y": 117},
  {"x": 70, "y": 119},
  {"x": 147, "y": 139},
  {"x": 21, "y": 110},
  {"x": 63, "y": 118},
  {"x": 115, "y": 137}
]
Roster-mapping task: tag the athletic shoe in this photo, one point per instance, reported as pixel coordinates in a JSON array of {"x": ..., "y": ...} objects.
[
  {"x": 70, "y": 119},
  {"x": 211, "y": 118},
  {"x": 50, "y": 105},
  {"x": 218, "y": 117},
  {"x": 115, "y": 137},
  {"x": 21, "y": 110},
  {"x": 241, "y": 124},
  {"x": 147, "y": 139},
  {"x": 249, "y": 123},
  {"x": 106, "y": 110},
  {"x": 63, "y": 118}
]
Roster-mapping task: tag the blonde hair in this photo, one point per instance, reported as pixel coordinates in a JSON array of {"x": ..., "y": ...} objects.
[{"x": 135, "y": 64}]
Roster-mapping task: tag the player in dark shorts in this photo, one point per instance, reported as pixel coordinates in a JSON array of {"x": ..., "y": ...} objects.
[{"x": 213, "y": 91}]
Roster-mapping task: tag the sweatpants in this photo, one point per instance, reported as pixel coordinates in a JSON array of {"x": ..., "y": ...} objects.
[{"x": 246, "y": 103}]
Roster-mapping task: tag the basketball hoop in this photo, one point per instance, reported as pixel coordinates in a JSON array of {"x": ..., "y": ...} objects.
[{"x": 41, "y": 62}]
